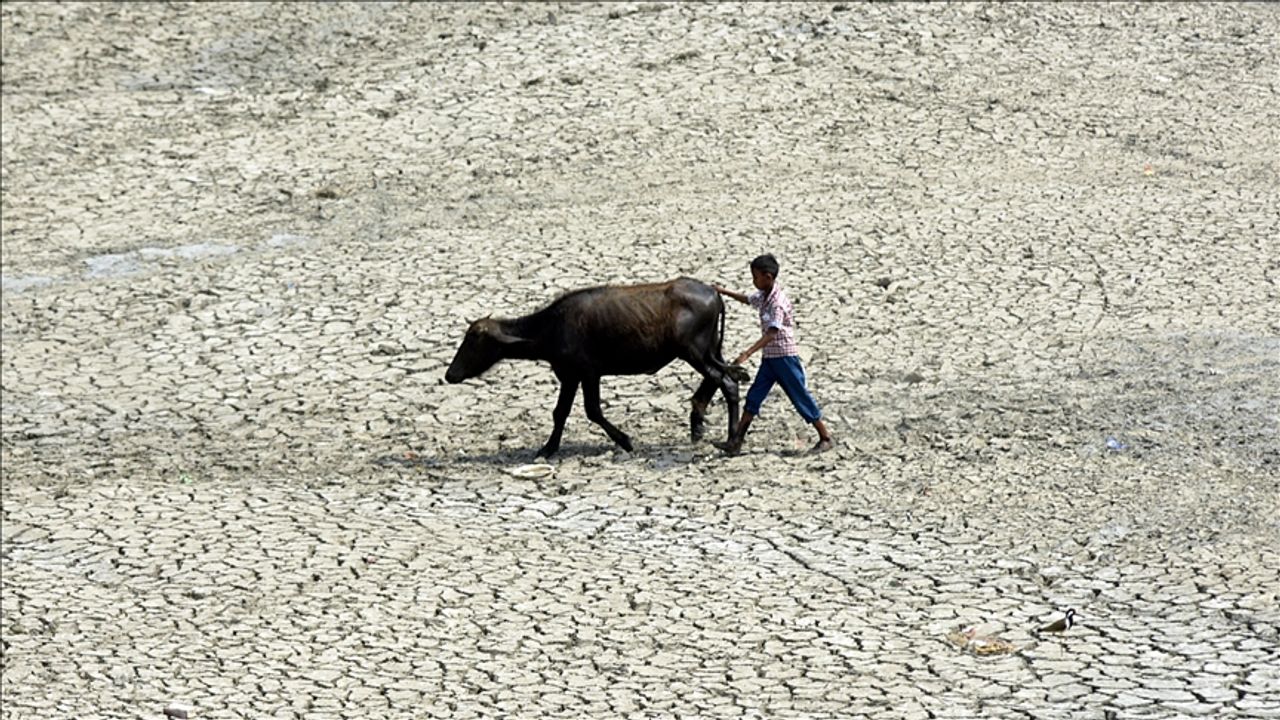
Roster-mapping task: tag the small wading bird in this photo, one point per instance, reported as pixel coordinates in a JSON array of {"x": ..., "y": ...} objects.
[{"x": 1060, "y": 625}]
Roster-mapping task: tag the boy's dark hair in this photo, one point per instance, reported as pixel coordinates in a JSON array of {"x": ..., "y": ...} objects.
[{"x": 766, "y": 264}]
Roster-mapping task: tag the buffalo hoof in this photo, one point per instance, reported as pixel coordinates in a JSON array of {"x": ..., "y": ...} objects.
[
  {"x": 696, "y": 433},
  {"x": 732, "y": 446},
  {"x": 739, "y": 373},
  {"x": 545, "y": 452},
  {"x": 624, "y": 442}
]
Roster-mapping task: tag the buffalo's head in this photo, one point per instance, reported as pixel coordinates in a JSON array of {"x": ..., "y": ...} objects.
[{"x": 485, "y": 344}]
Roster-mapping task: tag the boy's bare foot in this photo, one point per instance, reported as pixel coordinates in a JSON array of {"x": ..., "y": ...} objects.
[{"x": 822, "y": 446}]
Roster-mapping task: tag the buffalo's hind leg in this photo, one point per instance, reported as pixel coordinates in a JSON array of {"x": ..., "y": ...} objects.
[
  {"x": 701, "y": 339},
  {"x": 702, "y": 398},
  {"x": 729, "y": 387},
  {"x": 716, "y": 376},
  {"x": 591, "y": 399},
  {"x": 568, "y": 389}
]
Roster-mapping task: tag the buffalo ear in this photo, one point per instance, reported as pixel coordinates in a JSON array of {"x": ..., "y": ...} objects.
[{"x": 505, "y": 337}]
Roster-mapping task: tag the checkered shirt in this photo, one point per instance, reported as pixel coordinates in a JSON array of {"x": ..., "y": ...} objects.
[{"x": 776, "y": 312}]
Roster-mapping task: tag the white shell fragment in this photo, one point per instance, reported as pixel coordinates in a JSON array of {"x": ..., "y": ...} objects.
[{"x": 532, "y": 471}]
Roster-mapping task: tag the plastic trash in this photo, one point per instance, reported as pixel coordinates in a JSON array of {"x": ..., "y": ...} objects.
[
  {"x": 533, "y": 471},
  {"x": 971, "y": 641},
  {"x": 1114, "y": 445}
]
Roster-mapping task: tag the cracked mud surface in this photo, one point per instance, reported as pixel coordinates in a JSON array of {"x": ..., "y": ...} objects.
[{"x": 241, "y": 243}]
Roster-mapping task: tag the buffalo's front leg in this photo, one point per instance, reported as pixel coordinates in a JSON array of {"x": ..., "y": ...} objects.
[
  {"x": 591, "y": 400},
  {"x": 568, "y": 389}
]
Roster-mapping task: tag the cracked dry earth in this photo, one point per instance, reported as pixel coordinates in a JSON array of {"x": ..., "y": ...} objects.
[{"x": 1033, "y": 251}]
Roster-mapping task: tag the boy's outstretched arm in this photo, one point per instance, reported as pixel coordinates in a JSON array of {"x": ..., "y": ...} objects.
[
  {"x": 729, "y": 293},
  {"x": 765, "y": 339}
]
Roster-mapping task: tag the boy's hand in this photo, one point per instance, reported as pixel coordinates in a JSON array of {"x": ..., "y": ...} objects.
[{"x": 729, "y": 293}]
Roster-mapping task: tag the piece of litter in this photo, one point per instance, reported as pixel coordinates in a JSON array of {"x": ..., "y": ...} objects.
[
  {"x": 991, "y": 646},
  {"x": 961, "y": 638},
  {"x": 1115, "y": 445},
  {"x": 179, "y": 710},
  {"x": 535, "y": 470},
  {"x": 968, "y": 640}
]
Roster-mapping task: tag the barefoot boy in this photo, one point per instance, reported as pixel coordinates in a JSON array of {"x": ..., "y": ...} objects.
[{"x": 781, "y": 363}]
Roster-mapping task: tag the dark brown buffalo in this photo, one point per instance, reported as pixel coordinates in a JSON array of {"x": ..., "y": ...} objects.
[{"x": 611, "y": 330}]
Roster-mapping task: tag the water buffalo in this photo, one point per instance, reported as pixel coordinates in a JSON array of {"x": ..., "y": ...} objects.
[{"x": 611, "y": 330}]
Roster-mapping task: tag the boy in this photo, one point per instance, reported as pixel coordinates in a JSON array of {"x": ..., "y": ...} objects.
[{"x": 781, "y": 363}]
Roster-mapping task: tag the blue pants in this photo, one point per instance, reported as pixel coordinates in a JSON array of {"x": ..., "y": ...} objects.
[{"x": 789, "y": 373}]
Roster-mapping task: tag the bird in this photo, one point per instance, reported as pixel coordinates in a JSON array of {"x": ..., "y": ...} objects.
[{"x": 1060, "y": 625}]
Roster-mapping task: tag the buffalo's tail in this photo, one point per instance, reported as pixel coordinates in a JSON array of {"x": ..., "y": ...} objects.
[
  {"x": 735, "y": 372},
  {"x": 720, "y": 342}
]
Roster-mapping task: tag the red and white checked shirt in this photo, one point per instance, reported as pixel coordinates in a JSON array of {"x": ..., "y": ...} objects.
[{"x": 776, "y": 312}]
